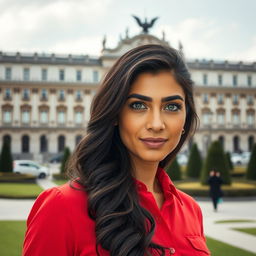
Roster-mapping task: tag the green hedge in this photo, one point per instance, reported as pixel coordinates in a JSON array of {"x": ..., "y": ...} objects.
[{"x": 11, "y": 177}]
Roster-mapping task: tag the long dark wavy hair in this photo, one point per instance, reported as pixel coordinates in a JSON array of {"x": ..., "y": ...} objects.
[{"x": 101, "y": 161}]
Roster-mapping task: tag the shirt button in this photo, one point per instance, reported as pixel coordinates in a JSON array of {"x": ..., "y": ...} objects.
[{"x": 172, "y": 251}]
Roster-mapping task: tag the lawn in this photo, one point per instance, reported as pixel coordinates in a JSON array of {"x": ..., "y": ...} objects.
[
  {"x": 12, "y": 235},
  {"x": 218, "y": 248},
  {"x": 60, "y": 182},
  {"x": 19, "y": 190},
  {"x": 233, "y": 221},
  {"x": 250, "y": 231}
]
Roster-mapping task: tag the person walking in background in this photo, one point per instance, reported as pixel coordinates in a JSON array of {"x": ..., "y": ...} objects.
[{"x": 215, "y": 182}]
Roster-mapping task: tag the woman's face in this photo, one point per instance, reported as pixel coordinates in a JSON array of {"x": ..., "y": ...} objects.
[{"x": 153, "y": 117}]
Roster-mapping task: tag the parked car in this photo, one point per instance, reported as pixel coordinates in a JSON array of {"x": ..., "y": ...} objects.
[
  {"x": 56, "y": 159},
  {"x": 240, "y": 159},
  {"x": 30, "y": 167}
]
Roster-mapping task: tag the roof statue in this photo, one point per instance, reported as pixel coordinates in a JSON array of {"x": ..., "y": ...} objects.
[{"x": 145, "y": 26}]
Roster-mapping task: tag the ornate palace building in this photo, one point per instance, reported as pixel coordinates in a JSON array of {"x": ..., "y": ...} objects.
[{"x": 45, "y": 99}]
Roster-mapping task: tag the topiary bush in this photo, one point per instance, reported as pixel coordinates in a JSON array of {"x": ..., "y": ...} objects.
[
  {"x": 173, "y": 170},
  {"x": 194, "y": 165},
  {"x": 6, "y": 162},
  {"x": 230, "y": 164},
  {"x": 216, "y": 160},
  {"x": 64, "y": 161},
  {"x": 251, "y": 168}
]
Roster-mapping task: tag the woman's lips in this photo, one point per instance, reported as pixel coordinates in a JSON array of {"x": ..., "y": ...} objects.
[{"x": 154, "y": 142}]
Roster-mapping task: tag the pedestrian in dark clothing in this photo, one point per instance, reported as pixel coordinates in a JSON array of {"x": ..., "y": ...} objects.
[{"x": 215, "y": 188}]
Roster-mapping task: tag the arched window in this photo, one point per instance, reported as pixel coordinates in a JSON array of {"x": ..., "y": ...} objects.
[
  {"x": 78, "y": 138},
  {"x": 43, "y": 144},
  {"x": 25, "y": 144},
  {"x": 250, "y": 142},
  {"x": 236, "y": 144},
  {"x": 7, "y": 139},
  {"x": 61, "y": 143},
  {"x": 222, "y": 142}
]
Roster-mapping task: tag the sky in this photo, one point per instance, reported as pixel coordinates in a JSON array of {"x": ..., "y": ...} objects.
[{"x": 207, "y": 29}]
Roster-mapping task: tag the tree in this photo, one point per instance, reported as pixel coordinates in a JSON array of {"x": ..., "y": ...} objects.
[
  {"x": 64, "y": 161},
  {"x": 216, "y": 160},
  {"x": 230, "y": 164},
  {"x": 251, "y": 168},
  {"x": 6, "y": 162},
  {"x": 194, "y": 165},
  {"x": 173, "y": 170}
]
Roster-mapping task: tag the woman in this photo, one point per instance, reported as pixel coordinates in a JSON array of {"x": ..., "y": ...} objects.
[
  {"x": 216, "y": 193},
  {"x": 120, "y": 201}
]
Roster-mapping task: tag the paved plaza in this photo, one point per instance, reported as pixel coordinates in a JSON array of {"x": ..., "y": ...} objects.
[{"x": 12, "y": 209}]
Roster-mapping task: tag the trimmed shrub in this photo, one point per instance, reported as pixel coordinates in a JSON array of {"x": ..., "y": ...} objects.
[
  {"x": 194, "y": 165},
  {"x": 251, "y": 168},
  {"x": 173, "y": 170},
  {"x": 65, "y": 159},
  {"x": 230, "y": 164},
  {"x": 216, "y": 160},
  {"x": 6, "y": 162}
]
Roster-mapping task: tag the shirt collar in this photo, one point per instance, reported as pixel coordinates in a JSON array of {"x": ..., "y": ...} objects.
[{"x": 165, "y": 182}]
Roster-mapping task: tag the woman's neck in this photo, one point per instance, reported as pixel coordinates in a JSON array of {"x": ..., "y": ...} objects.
[{"x": 146, "y": 173}]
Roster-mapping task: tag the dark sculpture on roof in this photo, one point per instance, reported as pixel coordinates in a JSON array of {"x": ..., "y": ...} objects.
[{"x": 146, "y": 25}]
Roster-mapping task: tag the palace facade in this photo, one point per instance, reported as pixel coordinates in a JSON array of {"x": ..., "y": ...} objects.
[{"x": 45, "y": 99}]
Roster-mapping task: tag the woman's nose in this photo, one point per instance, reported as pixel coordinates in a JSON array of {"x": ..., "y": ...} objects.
[{"x": 155, "y": 121}]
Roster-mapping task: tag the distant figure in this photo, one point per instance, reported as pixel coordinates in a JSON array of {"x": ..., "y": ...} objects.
[{"x": 215, "y": 188}]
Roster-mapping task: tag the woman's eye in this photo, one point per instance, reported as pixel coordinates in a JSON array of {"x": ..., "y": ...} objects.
[
  {"x": 172, "y": 107},
  {"x": 137, "y": 106}
]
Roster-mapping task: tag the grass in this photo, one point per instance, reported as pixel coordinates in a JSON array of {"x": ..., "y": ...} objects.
[
  {"x": 19, "y": 190},
  {"x": 60, "y": 182},
  {"x": 12, "y": 235},
  {"x": 250, "y": 231},
  {"x": 233, "y": 221},
  {"x": 218, "y": 248}
]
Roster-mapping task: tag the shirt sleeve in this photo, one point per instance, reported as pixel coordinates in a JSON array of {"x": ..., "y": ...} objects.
[{"x": 49, "y": 226}]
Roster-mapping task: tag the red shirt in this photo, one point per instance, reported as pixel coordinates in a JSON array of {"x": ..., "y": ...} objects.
[{"x": 59, "y": 225}]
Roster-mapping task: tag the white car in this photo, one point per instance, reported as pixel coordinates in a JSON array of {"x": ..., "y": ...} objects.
[
  {"x": 241, "y": 159},
  {"x": 30, "y": 167}
]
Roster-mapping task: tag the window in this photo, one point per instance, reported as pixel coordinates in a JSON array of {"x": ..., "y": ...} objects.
[
  {"x": 236, "y": 144},
  {"x": 95, "y": 76},
  {"x": 7, "y": 116},
  {"x": 250, "y": 143},
  {"x": 61, "y": 143},
  {"x": 220, "y": 118},
  {"x": 44, "y": 94},
  {"x": 61, "y": 117},
  {"x": 235, "y": 99},
  {"x": 250, "y": 99},
  {"x": 44, "y": 116},
  {"x": 78, "y": 117},
  {"x": 78, "y": 75},
  {"x": 25, "y": 95},
  {"x": 207, "y": 118},
  {"x": 236, "y": 118},
  {"x": 61, "y": 95},
  {"x": 61, "y": 75},
  {"x": 250, "y": 118},
  {"x": 8, "y": 73},
  {"x": 78, "y": 139},
  {"x": 234, "y": 80},
  {"x": 43, "y": 144},
  {"x": 220, "y": 98},
  {"x": 249, "y": 81},
  {"x": 205, "y": 79},
  {"x": 25, "y": 144},
  {"x": 78, "y": 95},
  {"x": 7, "y": 94},
  {"x": 44, "y": 74},
  {"x": 220, "y": 79},
  {"x": 26, "y": 75},
  {"x": 205, "y": 98},
  {"x": 25, "y": 116}
]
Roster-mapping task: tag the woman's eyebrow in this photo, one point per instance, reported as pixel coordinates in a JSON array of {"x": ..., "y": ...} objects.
[{"x": 146, "y": 98}]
